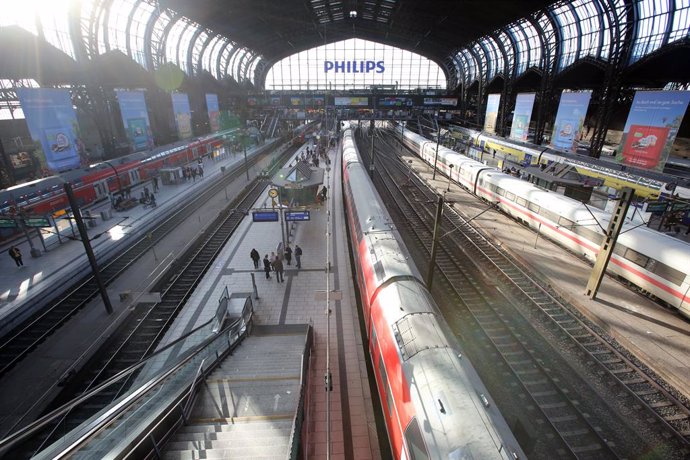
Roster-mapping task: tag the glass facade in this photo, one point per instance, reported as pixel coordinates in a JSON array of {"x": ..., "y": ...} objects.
[{"x": 354, "y": 64}]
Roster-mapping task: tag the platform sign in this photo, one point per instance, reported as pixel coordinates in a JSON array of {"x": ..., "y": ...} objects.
[
  {"x": 680, "y": 206},
  {"x": 265, "y": 216},
  {"x": 297, "y": 215},
  {"x": 7, "y": 222},
  {"x": 36, "y": 222},
  {"x": 657, "y": 206}
]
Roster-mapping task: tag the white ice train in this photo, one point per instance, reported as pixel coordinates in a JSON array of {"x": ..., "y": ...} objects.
[
  {"x": 434, "y": 404},
  {"x": 654, "y": 262}
]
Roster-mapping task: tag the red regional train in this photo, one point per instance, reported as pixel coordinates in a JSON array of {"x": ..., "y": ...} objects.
[
  {"x": 434, "y": 403},
  {"x": 98, "y": 181}
]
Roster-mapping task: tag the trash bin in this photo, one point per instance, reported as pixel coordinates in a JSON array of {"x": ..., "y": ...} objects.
[
  {"x": 106, "y": 215},
  {"x": 90, "y": 221}
]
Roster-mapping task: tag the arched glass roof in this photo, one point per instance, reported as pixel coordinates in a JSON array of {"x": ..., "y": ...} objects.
[
  {"x": 579, "y": 29},
  {"x": 142, "y": 30},
  {"x": 354, "y": 64}
]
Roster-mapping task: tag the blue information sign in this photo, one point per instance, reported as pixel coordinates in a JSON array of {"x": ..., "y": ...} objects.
[
  {"x": 297, "y": 215},
  {"x": 265, "y": 216}
]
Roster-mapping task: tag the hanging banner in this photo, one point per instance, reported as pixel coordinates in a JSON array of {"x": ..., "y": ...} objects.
[
  {"x": 521, "y": 116},
  {"x": 570, "y": 118},
  {"x": 213, "y": 111},
  {"x": 183, "y": 115},
  {"x": 135, "y": 117},
  {"x": 491, "y": 112},
  {"x": 652, "y": 125},
  {"x": 53, "y": 125}
]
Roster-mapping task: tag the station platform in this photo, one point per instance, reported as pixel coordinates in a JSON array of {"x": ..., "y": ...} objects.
[
  {"x": 337, "y": 343},
  {"x": 658, "y": 336},
  {"x": 70, "y": 347}
]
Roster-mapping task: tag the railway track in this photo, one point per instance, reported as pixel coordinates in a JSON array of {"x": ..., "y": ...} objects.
[
  {"x": 22, "y": 340},
  {"x": 575, "y": 427}
]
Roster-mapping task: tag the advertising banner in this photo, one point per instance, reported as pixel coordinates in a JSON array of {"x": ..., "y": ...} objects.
[
  {"x": 570, "y": 118},
  {"x": 352, "y": 101},
  {"x": 521, "y": 116},
  {"x": 136, "y": 119},
  {"x": 652, "y": 125},
  {"x": 213, "y": 111},
  {"x": 491, "y": 112},
  {"x": 394, "y": 101},
  {"x": 183, "y": 115},
  {"x": 53, "y": 125}
]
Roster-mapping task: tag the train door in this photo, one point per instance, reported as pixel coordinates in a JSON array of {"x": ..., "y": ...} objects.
[
  {"x": 134, "y": 176},
  {"x": 101, "y": 189}
]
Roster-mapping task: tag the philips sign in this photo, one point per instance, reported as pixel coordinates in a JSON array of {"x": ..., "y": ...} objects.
[{"x": 353, "y": 66}]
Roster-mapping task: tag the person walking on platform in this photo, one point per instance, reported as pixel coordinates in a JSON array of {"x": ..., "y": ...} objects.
[
  {"x": 267, "y": 267},
  {"x": 278, "y": 268},
  {"x": 255, "y": 257},
  {"x": 16, "y": 255},
  {"x": 155, "y": 183},
  {"x": 288, "y": 254},
  {"x": 201, "y": 172},
  {"x": 298, "y": 256}
]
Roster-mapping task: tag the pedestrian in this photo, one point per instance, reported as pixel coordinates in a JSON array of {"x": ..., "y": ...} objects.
[
  {"x": 194, "y": 171},
  {"x": 16, "y": 255},
  {"x": 267, "y": 267},
  {"x": 255, "y": 257},
  {"x": 278, "y": 268},
  {"x": 298, "y": 256},
  {"x": 201, "y": 172},
  {"x": 155, "y": 183},
  {"x": 288, "y": 254}
]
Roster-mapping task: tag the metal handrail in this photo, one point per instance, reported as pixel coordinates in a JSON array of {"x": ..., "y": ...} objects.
[
  {"x": 41, "y": 423},
  {"x": 295, "y": 435}
]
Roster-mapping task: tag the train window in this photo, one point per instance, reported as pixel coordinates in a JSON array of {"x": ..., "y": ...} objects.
[
  {"x": 668, "y": 273},
  {"x": 619, "y": 250},
  {"x": 521, "y": 201},
  {"x": 552, "y": 216},
  {"x": 384, "y": 383},
  {"x": 635, "y": 257},
  {"x": 534, "y": 207},
  {"x": 415, "y": 441},
  {"x": 569, "y": 224},
  {"x": 500, "y": 191},
  {"x": 510, "y": 196}
]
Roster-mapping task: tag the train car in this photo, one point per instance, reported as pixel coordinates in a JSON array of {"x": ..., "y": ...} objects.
[
  {"x": 99, "y": 181},
  {"x": 609, "y": 172},
  {"x": 655, "y": 263},
  {"x": 434, "y": 404}
]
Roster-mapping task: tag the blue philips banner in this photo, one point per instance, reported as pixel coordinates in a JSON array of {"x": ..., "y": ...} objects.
[
  {"x": 521, "y": 116},
  {"x": 183, "y": 115},
  {"x": 491, "y": 112},
  {"x": 213, "y": 111},
  {"x": 570, "y": 118},
  {"x": 135, "y": 117},
  {"x": 651, "y": 129},
  {"x": 53, "y": 126}
]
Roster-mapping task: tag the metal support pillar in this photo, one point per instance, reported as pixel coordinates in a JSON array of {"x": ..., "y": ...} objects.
[
  {"x": 87, "y": 246},
  {"x": 604, "y": 255},
  {"x": 438, "y": 141}
]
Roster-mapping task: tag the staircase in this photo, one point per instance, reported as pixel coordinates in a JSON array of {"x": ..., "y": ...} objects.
[{"x": 246, "y": 407}]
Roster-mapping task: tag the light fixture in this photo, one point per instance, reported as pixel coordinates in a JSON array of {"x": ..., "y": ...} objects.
[{"x": 353, "y": 14}]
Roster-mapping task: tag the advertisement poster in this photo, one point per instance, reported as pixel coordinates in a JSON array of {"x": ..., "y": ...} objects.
[
  {"x": 394, "y": 101},
  {"x": 491, "y": 112},
  {"x": 136, "y": 119},
  {"x": 651, "y": 129},
  {"x": 213, "y": 110},
  {"x": 570, "y": 118},
  {"x": 183, "y": 115},
  {"x": 447, "y": 101},
  {"x": 521, "y": 116},
  {"x": 53, "y": 125}
]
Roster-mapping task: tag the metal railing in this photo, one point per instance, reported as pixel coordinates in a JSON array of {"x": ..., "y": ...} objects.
[{"x": 296, "y": 435}]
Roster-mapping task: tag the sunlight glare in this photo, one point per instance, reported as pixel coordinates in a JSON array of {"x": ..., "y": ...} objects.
[{"x": 116, "y": 233}]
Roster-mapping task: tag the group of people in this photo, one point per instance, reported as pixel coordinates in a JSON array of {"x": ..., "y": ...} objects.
[
  {"x": 147, "y": 198},
  {"x": 314, "y": 157},
  {"x": 190, "y": 172},
  {"x": 275, "y": 262}
]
